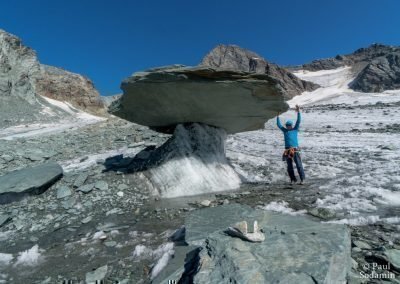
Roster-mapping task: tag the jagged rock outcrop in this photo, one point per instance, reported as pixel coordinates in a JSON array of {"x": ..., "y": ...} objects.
[
  {"x": 235, "y": 101},
  {"x": 295, "y": 250},
  {"x": 61, "y": 85},
  {"x": 24, "y": 79},
  {"x": 111, "y": 103},
  {"x": 19, "y": 68},
  {"x": 361, "y": 56},
  {"x": 233, "y": 57},
  {"x": 109, "y": 100},
  {"x": 381, "y": 74},
  {"x": 377, "y": 67}
]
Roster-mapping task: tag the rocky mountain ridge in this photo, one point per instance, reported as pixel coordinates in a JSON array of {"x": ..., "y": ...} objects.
[
  {"x": 24, "y": 78},
  {"x": 233, "y": 57},
  {"x": 361, "y": 55},
  {"x": 377, "y": 67}
]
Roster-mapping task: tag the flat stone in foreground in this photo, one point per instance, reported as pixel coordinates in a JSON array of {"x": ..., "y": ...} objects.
[
  {"x": 235, "y": 101},
  {"x": 296, "y": 250},
  {"x": 32, "y": 180}
]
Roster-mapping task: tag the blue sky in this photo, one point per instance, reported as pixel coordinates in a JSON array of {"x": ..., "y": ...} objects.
[{"x": 107, "y": 40}]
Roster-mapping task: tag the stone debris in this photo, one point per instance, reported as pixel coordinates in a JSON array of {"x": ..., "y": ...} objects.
[
  {"x": 63, "y": 191},
  {"x": 86, "y": 188}
]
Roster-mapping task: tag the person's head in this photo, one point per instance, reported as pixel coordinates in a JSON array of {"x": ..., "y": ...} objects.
[{"x": 289, "y": 124}]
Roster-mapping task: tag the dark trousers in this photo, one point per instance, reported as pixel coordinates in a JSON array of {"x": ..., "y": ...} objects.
[{"x": 299, "y": 166}]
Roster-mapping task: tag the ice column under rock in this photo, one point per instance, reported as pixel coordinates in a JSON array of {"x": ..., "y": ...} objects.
[{"x": 192, "y": 162}]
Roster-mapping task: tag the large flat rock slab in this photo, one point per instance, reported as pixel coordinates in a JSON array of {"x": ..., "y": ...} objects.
[
  {"x": 296, "y": 250},
  {"x": 235, "y": 101},
  {"x": 32, "y": 180}
]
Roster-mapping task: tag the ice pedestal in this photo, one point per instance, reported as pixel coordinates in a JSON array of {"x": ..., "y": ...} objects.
[{"x": 191, "y": 162}]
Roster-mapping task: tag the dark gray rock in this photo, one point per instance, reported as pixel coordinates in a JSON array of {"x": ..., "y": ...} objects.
[
  {"x": 381, "y": 74},
  {"x": 235, "y": 101},
  {"x": 324, "y": 64},
  {"x": 377, "y": 67},
  {"x": 233, "y": 57},
  {"x": 4, "y": 219},
  {"x": 32, "y": 180},
  {"x": 63, "y": 191},
  {"x": 111, "y": 101},
  {"x": 361, "y": 244},
  {"x": 308, "y": 252},
  {"x": 86, "y": 188},
  {"x": 361, "y": 56},
  {"x": 322, "y": 213},
  {"x": 68, "y": 203},
  {"x": 101, "y": 185},
  {"x": 80, "y": 180},
  {"x": 393, "y": 256},
  {"x": 86, "y": 220}
]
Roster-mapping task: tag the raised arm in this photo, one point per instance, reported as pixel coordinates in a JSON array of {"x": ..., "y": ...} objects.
[
  {"x": 297, "y": 125},
  {"x": 278, "y": 123}
]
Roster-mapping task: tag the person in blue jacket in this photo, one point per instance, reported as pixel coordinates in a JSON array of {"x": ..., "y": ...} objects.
[{"x": 291, "y": 152}]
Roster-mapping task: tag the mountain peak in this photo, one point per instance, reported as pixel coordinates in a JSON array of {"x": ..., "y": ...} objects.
[{"x": 234, "y": 57}]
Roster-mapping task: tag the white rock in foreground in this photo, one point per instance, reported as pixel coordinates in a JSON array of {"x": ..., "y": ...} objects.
[{"x": 240, "y": 230}]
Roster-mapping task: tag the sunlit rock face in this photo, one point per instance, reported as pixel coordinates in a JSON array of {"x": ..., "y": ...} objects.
[
  {"x": 18, "y": 68},
  {"x": 61, "y": 85},
  {"x": 232, "y": 100},
  {"x": 23, "y": 80},
  {"x": 191, "y": 162}
]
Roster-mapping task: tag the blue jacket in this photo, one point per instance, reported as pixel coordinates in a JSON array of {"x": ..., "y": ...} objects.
[{"x": 290, "y": 135}]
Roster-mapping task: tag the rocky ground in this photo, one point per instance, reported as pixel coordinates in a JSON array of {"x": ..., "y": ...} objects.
[{"x": 94, "y": 218}]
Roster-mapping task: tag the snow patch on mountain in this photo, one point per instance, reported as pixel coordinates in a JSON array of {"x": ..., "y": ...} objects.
[{"x": 335, "y": 89}]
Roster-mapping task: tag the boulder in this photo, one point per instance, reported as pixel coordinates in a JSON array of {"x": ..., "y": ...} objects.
[
  {"x": 234, "y": 101},
  {"x": 296, "y": 249},
  {"x": 32, "y": 180},
  {"x": 233, "y": 57}
]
